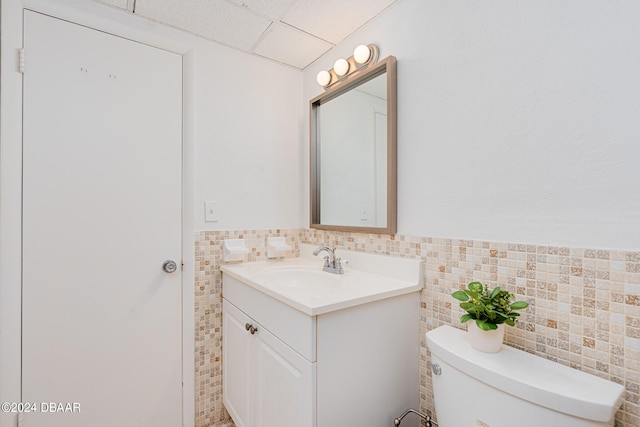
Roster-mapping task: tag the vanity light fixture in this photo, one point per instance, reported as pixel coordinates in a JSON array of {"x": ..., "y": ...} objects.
[
  {"x": 324, "y": 78},
  {"x": 341, "y": 67},
  {"x": 363, "y": 56}
]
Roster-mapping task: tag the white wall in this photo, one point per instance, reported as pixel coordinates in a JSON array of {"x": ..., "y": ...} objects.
[
  {"x": 248, "y": 122},
  {"x": 517, "y": 120}
]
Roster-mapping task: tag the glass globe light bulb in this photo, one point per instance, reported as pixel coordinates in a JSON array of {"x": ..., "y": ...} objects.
[
  {"x": 361, "y": 54},
  {"x": 341, "y": 67},
  {"x": 323, "y": 78}
]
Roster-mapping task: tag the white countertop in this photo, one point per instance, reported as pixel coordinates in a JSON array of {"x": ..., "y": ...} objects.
[{"x": 301, "y": 283}]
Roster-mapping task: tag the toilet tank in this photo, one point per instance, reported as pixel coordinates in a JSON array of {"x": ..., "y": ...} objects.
[{"x": 513, "y": 388}]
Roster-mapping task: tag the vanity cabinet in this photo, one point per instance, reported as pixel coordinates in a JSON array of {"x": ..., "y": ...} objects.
[
  {"x": 266, "y": 383},
  {"x": 349, "y": 367}
]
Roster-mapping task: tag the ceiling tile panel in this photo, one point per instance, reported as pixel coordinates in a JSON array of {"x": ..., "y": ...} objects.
[
  {"x": 122, "y": 4},
  {"x": 333, "y": 20},
  {"x": 270, "y": 8},
  {"x": 294, "y": 32},
  {"x": 217, "y": 20},
  {"x": 291, "y": 46}
]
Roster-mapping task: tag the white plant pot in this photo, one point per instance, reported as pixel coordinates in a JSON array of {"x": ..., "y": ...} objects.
[{"x": 485, "y": 341}]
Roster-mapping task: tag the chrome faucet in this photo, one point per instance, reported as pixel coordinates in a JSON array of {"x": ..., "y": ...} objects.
[{"x": 331, "y": 263}]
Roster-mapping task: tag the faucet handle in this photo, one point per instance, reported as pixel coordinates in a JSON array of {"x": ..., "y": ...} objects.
[{"x": 338, "y": 265}]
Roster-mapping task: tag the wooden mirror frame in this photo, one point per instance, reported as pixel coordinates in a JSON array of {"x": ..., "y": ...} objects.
[{"x": 388, "y": 66}]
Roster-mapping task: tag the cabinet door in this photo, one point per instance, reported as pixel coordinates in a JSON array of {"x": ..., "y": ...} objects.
[
  {"x": 284, "y": 384},
  {"x": 236, "y": 361}
]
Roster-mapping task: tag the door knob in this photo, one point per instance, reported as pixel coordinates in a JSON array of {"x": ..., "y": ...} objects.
[{"x": 169, "y": 266}]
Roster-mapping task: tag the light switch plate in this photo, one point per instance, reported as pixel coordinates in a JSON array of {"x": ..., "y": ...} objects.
[
  {"x": 211, "y": 211},
  {"x": 364, "y": 213}
]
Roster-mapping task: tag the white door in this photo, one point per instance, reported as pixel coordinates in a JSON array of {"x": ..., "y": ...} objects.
[
  {"x": 236, "y": 359},
  {"x": 101, "y": 213},
  {"x": 284, "y": 384}
]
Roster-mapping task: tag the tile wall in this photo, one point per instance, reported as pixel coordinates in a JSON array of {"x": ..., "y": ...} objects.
[{"x": 584, "y": 303}]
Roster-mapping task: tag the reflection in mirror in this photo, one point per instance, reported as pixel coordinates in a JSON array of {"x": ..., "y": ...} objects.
[
  {"x": 353, "y": 128},
  {"x": 353, "y": 153}
]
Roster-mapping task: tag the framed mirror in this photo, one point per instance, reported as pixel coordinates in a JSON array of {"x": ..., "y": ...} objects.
[{"x": 353, "y": 152}]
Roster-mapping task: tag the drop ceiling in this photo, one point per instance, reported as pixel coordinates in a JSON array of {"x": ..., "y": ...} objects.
[{"x": 292, "y": 32}]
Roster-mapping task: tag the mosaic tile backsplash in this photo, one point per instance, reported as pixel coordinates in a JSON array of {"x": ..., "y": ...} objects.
[{"x": 584, "y": 304}]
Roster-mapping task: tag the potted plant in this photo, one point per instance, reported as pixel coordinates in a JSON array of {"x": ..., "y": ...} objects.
[{"x": 491, "y": 310}]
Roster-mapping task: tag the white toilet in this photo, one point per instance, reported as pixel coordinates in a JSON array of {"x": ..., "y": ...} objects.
[{"x": 513, "y": 388}]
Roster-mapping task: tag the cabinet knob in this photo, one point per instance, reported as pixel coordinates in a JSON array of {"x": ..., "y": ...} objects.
[{"x": 249, "y": 327}]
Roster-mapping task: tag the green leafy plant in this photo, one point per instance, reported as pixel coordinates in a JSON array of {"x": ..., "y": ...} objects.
[{"x": 489, "y": 308}]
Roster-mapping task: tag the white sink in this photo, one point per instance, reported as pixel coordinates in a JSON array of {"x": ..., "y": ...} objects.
[
  {"x": 294, "y": 274},
  {"x": 302, "y": 284},
  {"x": 300, "y": 277}
]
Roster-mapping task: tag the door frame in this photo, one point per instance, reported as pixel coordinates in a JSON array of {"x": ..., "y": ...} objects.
[{"x": 117, "y": 22}]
